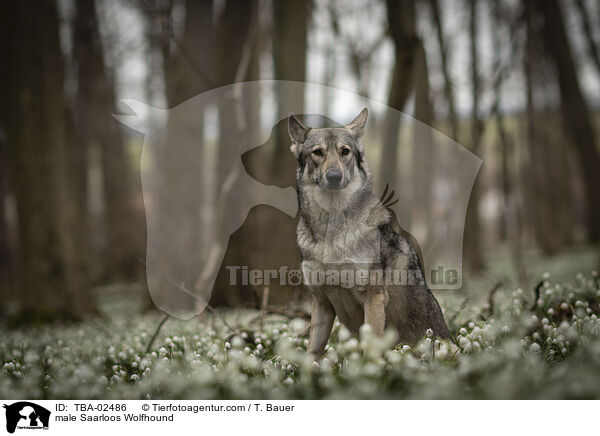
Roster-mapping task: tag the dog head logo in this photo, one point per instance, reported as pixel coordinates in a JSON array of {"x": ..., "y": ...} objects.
[
  {"x": 198, "y": 191},
  {"x": 26, "y": 415}
]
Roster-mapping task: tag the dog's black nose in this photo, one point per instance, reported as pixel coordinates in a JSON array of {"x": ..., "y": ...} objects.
[{"x": 333, "y": 176}]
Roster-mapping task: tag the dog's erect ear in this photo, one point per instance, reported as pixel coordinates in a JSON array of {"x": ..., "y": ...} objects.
[
  {"x": 357, "y": 125},
  {"x": 297, "y": 133},
  {"x": 296, "y": 130}
]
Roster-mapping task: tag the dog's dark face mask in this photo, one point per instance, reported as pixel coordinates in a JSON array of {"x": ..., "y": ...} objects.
[{"x": 329, "y": 157}]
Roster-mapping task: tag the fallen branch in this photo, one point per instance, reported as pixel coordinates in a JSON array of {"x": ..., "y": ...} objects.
[
  {"x": 491, "y": 297},
  {"x": 182, "y": 287},
  {"x": 460, "y": 309},
  {"x": 536, "y": 291},
  {"x": 490, "y": 310},
  {"x": 156, "y": 331}
]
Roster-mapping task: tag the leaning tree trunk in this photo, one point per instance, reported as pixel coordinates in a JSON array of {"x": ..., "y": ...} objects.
[
  {"x": 575, "y": 114},
  {"x": 53, "y": 280}
]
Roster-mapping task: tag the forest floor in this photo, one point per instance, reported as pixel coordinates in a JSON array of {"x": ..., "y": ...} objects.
[{"x": 514, "y": 350}]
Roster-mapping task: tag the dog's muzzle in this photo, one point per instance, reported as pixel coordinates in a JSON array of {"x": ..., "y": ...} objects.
[{"x": 334, "y": 178}]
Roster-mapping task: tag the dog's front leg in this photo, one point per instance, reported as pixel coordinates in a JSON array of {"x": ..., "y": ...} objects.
[
  {"x": 321, "y": 322},
  {"x": 374, "y": 308}
]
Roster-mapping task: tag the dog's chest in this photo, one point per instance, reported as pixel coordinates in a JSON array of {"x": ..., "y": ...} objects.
[{"x": 346, "y": 240}]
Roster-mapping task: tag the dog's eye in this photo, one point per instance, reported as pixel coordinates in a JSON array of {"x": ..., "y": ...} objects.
[
  {"x": 345, "y": 151},
  {"x": 317, "y": 152}
]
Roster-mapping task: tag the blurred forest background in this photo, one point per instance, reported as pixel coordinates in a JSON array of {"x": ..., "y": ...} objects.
[{"x": 516, "y": 82}]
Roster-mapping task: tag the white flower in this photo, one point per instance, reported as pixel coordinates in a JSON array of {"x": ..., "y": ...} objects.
[{"x": 344, "y": 334}]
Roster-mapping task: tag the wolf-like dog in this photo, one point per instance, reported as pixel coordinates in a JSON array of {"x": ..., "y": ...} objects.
[{"x": 344, "y": 227}]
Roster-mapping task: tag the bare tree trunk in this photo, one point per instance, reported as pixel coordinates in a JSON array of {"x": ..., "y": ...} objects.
[
  {"x": 401, "y": 20},
  {"x": 592, "y": 47},
  {"x": 290, "y": 27},
  {"x": 510, "y": 220},
  {"x": 53, "y": 280},
  {"x": 423, "y": 139},
  {"x": 575, "y": 114},
  {"x": 233, "y": 30},
  {"x": 187, "y": 62},
  {"x": 272, "y": 163},
  {"x": 504, "y": 141},
  {"x": 6, "y": 250},
  {"x": 533, "y": 173},
  {"x": 472, "y": 243},
  {"x": 96, "y": 128},
  {"x": 448, "y": 82}
]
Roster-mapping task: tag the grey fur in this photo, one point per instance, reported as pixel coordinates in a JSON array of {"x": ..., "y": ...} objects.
[{"x": 343, "y": 225}]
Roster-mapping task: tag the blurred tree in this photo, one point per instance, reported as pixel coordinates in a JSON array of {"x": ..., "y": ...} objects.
[
  {"x": 575, "y": 114},
  {"x": 422, "y": 138},
  {"x": 95, "y": 127},
  {"x": 401, "y": 23},
  {"x": 360, "y": 48},
  {"x": 510, "y": 218},
  {"x": 271, "y": 163},
  {"x": 6, "y": 250},
  {"x": 448, "y": 82},
  {"x": 472, "y": 238},
  {"x": 236, "y": 30},
  {"x": 188, "y": 64},
  {"x": 53, "y": 280},
  {"x": 187, "y": 55},
  {"x": 290, "y": 26},
  {"x": 588, "y": 32},
  {"x": 236, "y": 61}
]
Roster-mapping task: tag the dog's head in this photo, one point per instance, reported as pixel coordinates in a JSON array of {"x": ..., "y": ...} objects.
[{"x": 329, "y": 157}]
